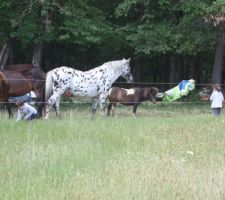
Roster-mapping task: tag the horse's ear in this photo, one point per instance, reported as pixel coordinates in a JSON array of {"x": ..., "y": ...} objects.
[
  {"x": 154, "y": 90},
  {"x": 126, "y": 60}
]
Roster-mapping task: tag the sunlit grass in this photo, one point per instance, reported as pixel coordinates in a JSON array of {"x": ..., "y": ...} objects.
[{"x": 167, "y": 152}]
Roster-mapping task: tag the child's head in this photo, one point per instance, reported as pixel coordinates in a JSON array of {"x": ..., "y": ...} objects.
[
  {"x": 216, "y": 87},
  {"x": 19, "y": 103}
]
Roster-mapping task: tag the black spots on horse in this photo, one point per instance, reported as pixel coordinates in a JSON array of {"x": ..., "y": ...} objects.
[
  {"x": 77, "y": 75},
  {"x": 55, "y": 83},
  {"x": 108, "y": 86},
  {"x": 63, "y": 81},
  {"x": 98, "y": 88},
  {"x": 104, "y": 81},
  {"x": 57, "y": 76}
]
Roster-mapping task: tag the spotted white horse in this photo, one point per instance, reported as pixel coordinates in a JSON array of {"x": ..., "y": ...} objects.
[{"x": 93, "y": 83}]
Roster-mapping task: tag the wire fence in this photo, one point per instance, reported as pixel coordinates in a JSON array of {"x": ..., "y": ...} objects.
[
  {"x": 132, "y": 83},
  {"x": 192, "y": 98}
]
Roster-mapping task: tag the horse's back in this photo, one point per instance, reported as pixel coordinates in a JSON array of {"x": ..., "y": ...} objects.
[
  {"x": 12, "y": 75},
  {"x": 18, "y": 84},
  {"x": 117, "y": 94},
  {"x": 19, "y": 67}
]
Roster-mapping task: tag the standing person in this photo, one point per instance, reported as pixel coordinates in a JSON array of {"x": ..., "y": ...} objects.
[
  {"x": 217, "y": 100},
  {"x": 25, "y": 111}
]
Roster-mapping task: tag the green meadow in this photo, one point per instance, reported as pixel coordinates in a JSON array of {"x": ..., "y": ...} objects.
[{"x": 170, "y": 151}]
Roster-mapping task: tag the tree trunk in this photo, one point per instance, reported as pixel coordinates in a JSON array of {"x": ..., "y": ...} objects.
[
  {"x": 172, "y": 70},
  {"x": 218, "y": 60},
  {"x": 136, "y": 71},
  {"x": 180, "y": 68},
  {"x": 195, "y": 69},
  {"x": 37, "y": 54},
  {"x": 4, "y": 56}
]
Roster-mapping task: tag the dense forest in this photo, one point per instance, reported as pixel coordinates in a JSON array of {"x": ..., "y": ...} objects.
[{"x": 167, "y": 40}]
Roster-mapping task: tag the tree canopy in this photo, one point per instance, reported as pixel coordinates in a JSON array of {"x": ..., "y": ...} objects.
[{"x": 168, "y": 40}]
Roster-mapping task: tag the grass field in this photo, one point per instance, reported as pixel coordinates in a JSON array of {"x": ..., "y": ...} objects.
[{"x": 168, "y": 152}]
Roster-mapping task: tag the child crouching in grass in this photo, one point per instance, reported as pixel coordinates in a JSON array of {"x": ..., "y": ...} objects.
[{"x": 25, "y": 111}]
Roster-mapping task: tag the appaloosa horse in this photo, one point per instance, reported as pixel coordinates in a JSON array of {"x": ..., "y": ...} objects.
[
  {"x": 130, "y": 97},
  {"x": 21, "y": 80},
  {"x": 93, "y": 83}
]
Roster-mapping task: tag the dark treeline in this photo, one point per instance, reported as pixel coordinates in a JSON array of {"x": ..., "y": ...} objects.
[{"x": 167, "y": 40}]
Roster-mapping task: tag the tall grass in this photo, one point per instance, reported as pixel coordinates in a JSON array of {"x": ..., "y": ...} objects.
[{"x": 167, "y": 152}]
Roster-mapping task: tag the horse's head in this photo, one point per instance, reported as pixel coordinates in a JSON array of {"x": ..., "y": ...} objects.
[
  {"x": 126, "y": 74},
  {"x": 152, "y": 94}
]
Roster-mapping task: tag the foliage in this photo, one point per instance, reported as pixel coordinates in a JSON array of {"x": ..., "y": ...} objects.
[
  {"x": 166, "y": 26},
  {"x": 99, "y": 30}
]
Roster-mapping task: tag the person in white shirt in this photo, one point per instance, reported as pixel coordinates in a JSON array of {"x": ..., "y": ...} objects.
[
  {"x": 25, "y": 111},
  {"x": 217, "y": 100}
]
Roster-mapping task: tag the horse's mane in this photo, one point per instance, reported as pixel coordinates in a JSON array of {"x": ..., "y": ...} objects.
[{"x": 109, "y": 64}]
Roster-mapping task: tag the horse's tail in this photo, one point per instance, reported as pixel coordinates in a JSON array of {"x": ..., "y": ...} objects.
[
  {"x": 48, "y": 86},
  {"x": 4, "y": 87}
]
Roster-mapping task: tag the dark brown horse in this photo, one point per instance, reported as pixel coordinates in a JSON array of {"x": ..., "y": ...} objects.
[
  {"x": 130, "y": 97},
  {"x": 19, "y": 80}
]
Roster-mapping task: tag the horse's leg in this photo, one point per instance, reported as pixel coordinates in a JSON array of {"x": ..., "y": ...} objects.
[
  {"x": 134, "y": 110},
  {"x": 39, "y": 92},
  {"x": 56, "y": 105},
  {"x": 8, "y": 107},
  {"x": 55, "y": 99},
  {"x": 94, "y": 106},
  {"x": 52, "y": 101},
  {"x": 39, "y": 109},
  {"x": 109, "y": 109},
  {"x": 113, "y": 109},
  {"x": 102, "y": 100}
]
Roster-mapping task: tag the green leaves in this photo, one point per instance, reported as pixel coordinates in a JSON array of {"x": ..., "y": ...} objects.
[{"x": 167, "y": 27}]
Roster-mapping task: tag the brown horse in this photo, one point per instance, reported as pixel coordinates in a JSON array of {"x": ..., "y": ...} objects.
[
  {"x": 130, "y": 97},
  {"x": 21, "y": 80}
]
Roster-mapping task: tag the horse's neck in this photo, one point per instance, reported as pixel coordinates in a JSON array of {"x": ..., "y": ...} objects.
[
  {"x": 116, "y": 71},
  {"x": 113, "y": 70}
]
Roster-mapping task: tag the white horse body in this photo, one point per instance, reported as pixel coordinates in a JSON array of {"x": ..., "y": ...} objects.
[{"x": 93, "y": 83}]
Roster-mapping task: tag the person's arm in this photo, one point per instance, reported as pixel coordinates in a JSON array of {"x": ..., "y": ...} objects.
[
  {"x": 222, "y": 97},
  {"x": 212, "y": 96},
  {"x": 19, "y": 115}
]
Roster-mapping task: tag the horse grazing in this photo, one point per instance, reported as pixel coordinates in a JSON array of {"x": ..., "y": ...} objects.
[
  {"x": 93, "y": 83},
  {"x": 130, "y": 97},
  {"x": 20, "y": 82}
]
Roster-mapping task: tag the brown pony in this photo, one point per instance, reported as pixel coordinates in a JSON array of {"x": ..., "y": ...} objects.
[
  {"x": 21, "y": 80},
  {"x": 130, "y": 97}
]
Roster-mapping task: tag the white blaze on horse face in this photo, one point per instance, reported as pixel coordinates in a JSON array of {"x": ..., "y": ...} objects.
[{"x": 130, "y": 91}]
